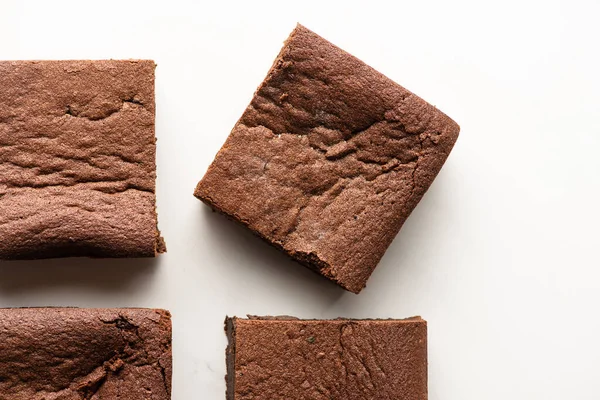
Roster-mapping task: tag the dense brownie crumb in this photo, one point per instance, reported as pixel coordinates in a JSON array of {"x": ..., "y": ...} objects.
[
  {"x": 77, "y": 159},
  {"x": 328, "y": 160},
  {"x": 85, "y": 354},
  {"x": 342, "y": 359}
]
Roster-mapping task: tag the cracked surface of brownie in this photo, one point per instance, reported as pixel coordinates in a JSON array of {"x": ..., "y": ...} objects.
[
  {"x": 77, "y": 159},
  {"x": 342, "y": 359},
  {"x": 85, "y": 354},
  {"x": 328, "y": 160}
]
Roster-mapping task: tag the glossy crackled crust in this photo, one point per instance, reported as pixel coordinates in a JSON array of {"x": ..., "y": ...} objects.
[
  {"x": 282, "y": 357},
  {"x": 85, "y": 354},
  {"x": 328, "y": 160},
  {"x": 77, "y": 159}
]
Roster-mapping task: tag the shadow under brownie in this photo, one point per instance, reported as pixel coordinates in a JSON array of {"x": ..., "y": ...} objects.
[
  {"x": 74, "y": 354},
  {"x": 77, "y": 159},
  {"x": 328, "y": 160}
]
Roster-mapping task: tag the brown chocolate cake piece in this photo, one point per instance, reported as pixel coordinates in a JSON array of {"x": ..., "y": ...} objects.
[
  {"x": 77, "y": 159},
  {"x": 343, "y": 359},
  {"x": 328, "y": 160},
  {"x": 75, "y": 354}
]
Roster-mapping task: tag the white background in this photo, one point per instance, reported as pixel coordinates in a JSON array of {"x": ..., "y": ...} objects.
[{"x": 501, "y": 256}]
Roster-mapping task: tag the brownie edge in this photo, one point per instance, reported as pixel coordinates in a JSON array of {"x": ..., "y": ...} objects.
[
  {"x": 339, "y": 359},
  {"x": 328, "y": 160},
  {"x": 74, "y": 354}
]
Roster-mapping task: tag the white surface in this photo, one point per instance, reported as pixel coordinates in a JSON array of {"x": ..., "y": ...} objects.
[{"x": 501, "y": 256}]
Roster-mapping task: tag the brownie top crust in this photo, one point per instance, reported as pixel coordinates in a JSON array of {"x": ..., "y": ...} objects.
[
  {"x": 77, "y": 159},
  {"x": 346, "y": 359},
  {"x": 328, "y": 160},
  {"x": 76, "y": 354}
]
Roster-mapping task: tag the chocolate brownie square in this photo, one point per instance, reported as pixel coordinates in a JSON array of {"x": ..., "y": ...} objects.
[
  {"x": 343, "y": 359},
  {"x": 77, "y": 159},
  {"x": 74, "y": 354},
  {"x": 328, "y": 160}
]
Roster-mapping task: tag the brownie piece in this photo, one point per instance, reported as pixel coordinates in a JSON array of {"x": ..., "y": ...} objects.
[
  {"x": 74, "y": 354},
  {"x": 77, "y": 159},
  {"x": 328, "y": 160},
  {"x": 342, "y": 359}
]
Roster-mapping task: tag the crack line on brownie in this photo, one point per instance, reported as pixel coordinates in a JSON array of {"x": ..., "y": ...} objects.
[
  {"x": 106, "y": 190},
  {"x": 381, "y": 162},
  {"x": 123, "y": 324},
  {"x": 70, "y": 176},
  {"x": 89, "y": 381},
  {"x": 359, "y": 358},
  {"x": 297, "y": 217},
  {"x": 383, "y": 166},
  {"x": 416, "y": 168},
  {"x": 287, "y": 70},
  {"x": 106, "y": 114},
  {"x": 378, "y": 365},
  {"x": 163, "y": 373},
  {"x": 93, "y": 382},
  {"x": 341, "y": 355},
  {"x": 50, "y": 169},
  {"x": 92, "y": 387}
]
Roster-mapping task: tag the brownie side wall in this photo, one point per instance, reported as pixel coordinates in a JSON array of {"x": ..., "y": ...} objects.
[{"x": 230, "y": 358}]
